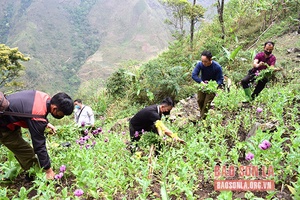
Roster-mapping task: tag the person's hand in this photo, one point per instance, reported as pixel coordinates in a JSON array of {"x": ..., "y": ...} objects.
[
  {"x": 50, "y": 174},
  {"x": 181, "y": 141},
  {"x": 278, "y": 69},
  {"x": 52, "y": 128},
  {"x": 177, "y": 139},
  {"x": 260, "y": 64}
]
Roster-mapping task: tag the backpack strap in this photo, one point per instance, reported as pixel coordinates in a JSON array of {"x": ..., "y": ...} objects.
[
  {"x": 77, "y": 118},
  {"x": 17, "y": 114}
]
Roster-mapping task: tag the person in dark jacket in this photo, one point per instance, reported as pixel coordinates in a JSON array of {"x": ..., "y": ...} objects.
[
  {"x": 33, "y": 103},
  {"x": 210, "y": 71},
  {"x": 145, "y": 119}
]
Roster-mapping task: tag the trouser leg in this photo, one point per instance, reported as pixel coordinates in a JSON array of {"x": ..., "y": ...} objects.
[
  {"x": 134, "y": 137},
  {"x": 247, "y": 79},
  {"x": 208, "y": 99},
  {"x": 259, "y": 87},
  {"x": 200, "y": 100},
  {"x": 22, "y": 150}
]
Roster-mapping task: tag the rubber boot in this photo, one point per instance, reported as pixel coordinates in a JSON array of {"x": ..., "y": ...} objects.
[{"x": 248, "y": 95}]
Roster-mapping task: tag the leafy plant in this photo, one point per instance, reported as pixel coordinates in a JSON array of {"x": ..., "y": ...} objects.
[{"x": 210, "y": 87}]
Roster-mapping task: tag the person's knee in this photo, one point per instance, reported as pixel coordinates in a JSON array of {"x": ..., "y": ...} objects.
[{"x": 244, "y": 83}]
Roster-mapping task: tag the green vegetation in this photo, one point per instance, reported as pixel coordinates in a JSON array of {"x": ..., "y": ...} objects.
[
  {"x": 84, "y": 40},
  {"x": 4, "y": 23},
  {"x": 10, "y": 66},
  {"x": 102, "y": 167}
]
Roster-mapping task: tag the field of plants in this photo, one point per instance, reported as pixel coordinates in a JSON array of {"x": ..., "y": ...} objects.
[
  {"x": 264, "y": 133},
  {"x": 98, "y": 166}
]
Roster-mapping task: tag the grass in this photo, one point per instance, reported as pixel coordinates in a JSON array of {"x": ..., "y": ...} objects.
[{"x": 106, "y": 170}]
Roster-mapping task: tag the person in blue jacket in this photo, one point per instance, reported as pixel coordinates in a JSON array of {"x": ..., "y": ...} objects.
[{"x": 210, "y": 70}]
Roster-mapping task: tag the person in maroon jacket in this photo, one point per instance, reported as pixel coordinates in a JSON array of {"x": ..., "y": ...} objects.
[
  {"x": 262, "y": 61},
  {"x": 33, "y": 103}
]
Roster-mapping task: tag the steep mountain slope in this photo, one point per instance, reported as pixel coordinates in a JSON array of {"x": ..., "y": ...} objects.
[
  {"x": 59, "y": 35},
  {"x": 135, "y": 31},
  {"x": 72, "y": 41}
]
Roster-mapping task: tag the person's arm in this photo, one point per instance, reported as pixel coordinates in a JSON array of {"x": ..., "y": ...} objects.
[
  {"x": 257, "y": 63},
  {"x": 52, "y": 128},
  {"x": 163, "y": 130},
  {"x": 219, "y": 76},
  {"x": 195, "y": 73},
  {"x": 174, "y": 136},
  {"x": 272, "y": 65},
  {"x": 36, "y": 129},
  {"x": 91, "y": 116},
  {"x": 75, "y": 117}
]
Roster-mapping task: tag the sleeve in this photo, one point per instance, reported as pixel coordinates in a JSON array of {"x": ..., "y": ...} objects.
[
  {"x": 195, "y": 73},
  {"x": 273, "y": 61},
  {"x": 220, "y": 77},
  {"x": 36, "y": 129},
  {"x": 91, "y": 116}
]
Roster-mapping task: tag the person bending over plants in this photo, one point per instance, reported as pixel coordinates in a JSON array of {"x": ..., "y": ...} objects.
[
  {"x": 211, "y": 78},
  {"x": 35, "y": 106},
  {"x": 263, "y": 67},
  {"x": 146, "y": 120}
]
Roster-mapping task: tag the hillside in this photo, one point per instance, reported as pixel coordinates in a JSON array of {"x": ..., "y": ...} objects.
[
  {"x": 59, "y": 36},
  {"x": 70, "y": 42},
  {"x": 254, "y": 145}
]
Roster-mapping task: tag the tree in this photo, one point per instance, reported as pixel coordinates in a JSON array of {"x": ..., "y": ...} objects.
[
  {"x": 183, "y": 13},
  {"x": 10, "y": 67},
  {"x": 220, "y": 8},
  {"x": 194, "y": 13}
]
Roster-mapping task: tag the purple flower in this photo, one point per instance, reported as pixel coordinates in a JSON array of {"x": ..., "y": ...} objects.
[
  {"x": 106, "y": 140},
  {"x": 62, "y": 168},
  {"x": 95, "y": 132},
  {"x": 206, "y": 81},
  {"x": 81, "y": 142},
  {"x": 259, "y": 110},
  {"x": 87, "y": 146},
  {"x": 93, "y": 143},
  {"x": 143, "y": 131},
  {"x": 86, "y": 137},
  {"x": 262, "y": 146},
  {"x": 86, "y": 131},
  {"x": 123, "y": 133},
  {"x": 82, "y": 124},
  {"x": 78, "y": 192},
  {"x": 59, "y": 176},
  {"x": 99, "y": 130},
  {"x": 136, "y": 134},
  {"x": 266, "y": 143},
  {"x": 257, "y": 73},
  {"x": 249, "y": 156},
  {"x": 164, "y": 138}
]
